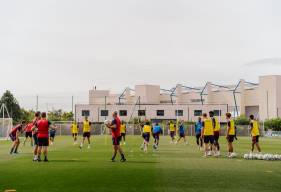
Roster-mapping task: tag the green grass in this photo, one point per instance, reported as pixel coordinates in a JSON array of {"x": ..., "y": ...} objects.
[{"x": 173, "y": 168}]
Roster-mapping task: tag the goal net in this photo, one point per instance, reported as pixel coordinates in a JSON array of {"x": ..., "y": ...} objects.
[{"x": 6, "y": 125}]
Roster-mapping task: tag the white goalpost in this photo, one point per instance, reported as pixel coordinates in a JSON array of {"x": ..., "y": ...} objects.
[{"x": 6, "y": 123}]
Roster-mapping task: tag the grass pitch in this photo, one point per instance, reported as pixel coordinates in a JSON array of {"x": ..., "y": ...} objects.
[{"x": 173, "y": 168}]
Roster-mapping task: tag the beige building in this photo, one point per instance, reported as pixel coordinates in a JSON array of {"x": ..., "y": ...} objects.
[{"x": 263, "y": 99}]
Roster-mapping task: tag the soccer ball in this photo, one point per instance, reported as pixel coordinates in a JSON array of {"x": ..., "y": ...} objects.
[
  {"x": 260, "y": 157},
  {"x": 107, "y": 122},
  {"x": 275, "y": 157},
  {"x": 251, "y": 156},
  {"x": 233, "y": 155},
  {"x": 246, "y": 156}
]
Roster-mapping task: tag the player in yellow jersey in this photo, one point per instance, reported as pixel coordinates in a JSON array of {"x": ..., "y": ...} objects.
[
  {"x": 172, "y": 130},
  {"x": 230, "y": 134},
  {"x": 216, "y": 126},
  {"x": 74, "y": 131},
  {"x": 146, "y": 135},
  {"x": 207, "y": 134},
  {"x": 86, "y": 132},
  {"x": 123, "y": 132},
  {"x": 255, "y": 133}
]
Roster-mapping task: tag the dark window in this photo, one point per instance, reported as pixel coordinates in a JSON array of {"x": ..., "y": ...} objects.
[
  {"x": 160, "y": 113},
  {"x": 141, "y": 113},
  {"x": 123, "y": 112},
  {"x": 179, "y": 112},
  {"x": 217, "y": 113},
  {"x": 197, "y": 112},
  {"x": 104, "y": 113},
  {"x": 85, "y": 113}
]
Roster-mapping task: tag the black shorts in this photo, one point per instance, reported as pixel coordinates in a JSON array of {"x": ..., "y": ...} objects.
[
  {"x": 255, "y": 139},
  {"x": 87, "y": 134},
  {"x": 123, "y": 134},
  {"x": 13, "y": 137},
  {"x": 116, "y": 140},
  {"x": 28, "y": 134},
  {"x": 172, "y": 134},
  {"x": 146, "y": 136},
  {"x": 52, "y": 135},
  {"x": 35, "y": 139},
  {"x": 230, "y": 138},
  {"x": 209, "y": 139},
  {"x": 198, "y": 136},
  {"x": 182, "y": 135},
  {"x": 156, "y": 136},
  {"x": 74, "y": 134},
  {"x": 43, "y": 142}
]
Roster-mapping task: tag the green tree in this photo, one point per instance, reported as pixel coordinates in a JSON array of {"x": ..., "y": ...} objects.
[
  {"x": 59, "y": 115},
  {"x": 12, "y": 105},
  {"x": 274, "y": 124},
  {"x": 242, "y": 120}
]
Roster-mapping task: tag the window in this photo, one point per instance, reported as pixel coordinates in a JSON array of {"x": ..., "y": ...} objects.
[
  {"x": 85, "y": 113},
  {"x": 197, "y": 112},
  {"x": 179, "y": 112},
  {"x": 104, "y": 113},
  {"x": 141, "y": 113},
  {"x": 217, "y": 113},
  {"x": 123, "y": 112},
  {"x": 160, "y": 113}
]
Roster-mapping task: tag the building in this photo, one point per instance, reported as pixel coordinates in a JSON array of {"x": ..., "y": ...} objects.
[{"x": 263, "y": 99}]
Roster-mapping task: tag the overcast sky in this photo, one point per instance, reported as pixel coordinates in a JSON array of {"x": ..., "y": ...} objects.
[{"x": 67, "y": 46}]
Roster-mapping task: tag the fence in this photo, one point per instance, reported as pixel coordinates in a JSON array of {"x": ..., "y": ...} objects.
[{"x": 64, "y": 128}]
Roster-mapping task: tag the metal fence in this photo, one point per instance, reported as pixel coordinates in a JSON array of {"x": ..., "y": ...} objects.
[{"x": 64, "y": 128}]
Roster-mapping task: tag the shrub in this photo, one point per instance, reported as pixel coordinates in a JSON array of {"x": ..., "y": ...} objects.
[
  {"x": 274, "y": 124},
  {"x": 242, "y": 120}
]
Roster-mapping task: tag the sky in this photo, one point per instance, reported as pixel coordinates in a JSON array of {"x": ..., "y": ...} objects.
[{"x": 56, "y": 49}]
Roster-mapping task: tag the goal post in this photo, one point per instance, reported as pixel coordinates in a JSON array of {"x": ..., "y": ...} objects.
[{"x": 6, "y": 125}]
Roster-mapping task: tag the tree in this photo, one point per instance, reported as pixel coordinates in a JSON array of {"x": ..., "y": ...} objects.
[
  {"x": 12, "y": 105},
  {"x": 242, "y": 120},
  {"x": 59, "y": 115}
]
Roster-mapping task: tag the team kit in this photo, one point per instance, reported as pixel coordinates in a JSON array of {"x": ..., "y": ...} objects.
[{"x": 41, "y": 133}]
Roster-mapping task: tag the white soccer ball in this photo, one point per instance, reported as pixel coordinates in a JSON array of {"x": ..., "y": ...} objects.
[
  {"x": 270, "y": 157},
  {"x": 265, "y": 157},
  {"x": 107, "y": 122},
  {"x": 275, "y": 157},
  {"x": 255, "y": 156},
  {"x": 260, "y": 156},
  {"x": 233, "y": 155},
  {"x": 246, "y": 156},
  {"x": 250, "y": 156}
]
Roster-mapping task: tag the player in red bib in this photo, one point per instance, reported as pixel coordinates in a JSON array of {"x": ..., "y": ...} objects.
[
  {"x": 37, "y": 117},
  {"x": 43, "y": 126},
  {"x": 116, "y": 137},
  {"x": 14, "y": 135},
  {"x": 28, "y": 133}
]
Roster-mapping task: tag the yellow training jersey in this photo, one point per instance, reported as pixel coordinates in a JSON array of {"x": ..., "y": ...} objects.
[
  {"x": 208, "y": 127},
  {"x": 74, "y": 128},
  {"x": 231, "y": 129},
  {"x": 255, "y": 129},
  {"x": 86, "y": 126},
  {"x": 172, "y": 127},
  {"x": 217, "y": 125},
  {"x": 122, "y": 128},
  {"x": 147, "y": 129}
]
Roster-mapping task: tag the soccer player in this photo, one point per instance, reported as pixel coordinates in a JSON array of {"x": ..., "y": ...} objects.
[
  {"x": 52, "y": 135},
  {"x": 43, "y": 125},
  {"x": 182, "y": 133},
  {"x": 116, "y": 137},
  {"x": 207, "y": 134},
  {"x": 14, "y": 135},
  {"x": 37, "y": 117},
  {"x": 28, "y": 133},
  {"x": 216, "y": 126},
  {"x": 255, "y": 133},
  {"x": 157, "y": 130},
  {"x": 172, "y": 130},
  {"x": 146, "y": 135},
  {"x": 230, "y": 134},
  {"x": 74, "y": 131},
  {"x": 123, "y": 132},
  {"x": 86, "y": 132},
  {"x": 198, "y": 129}
]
